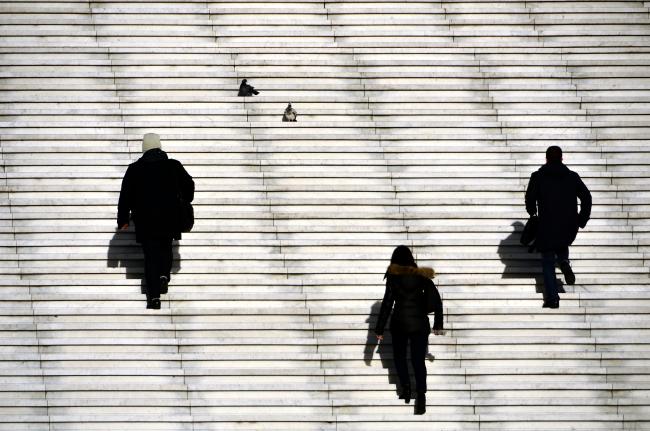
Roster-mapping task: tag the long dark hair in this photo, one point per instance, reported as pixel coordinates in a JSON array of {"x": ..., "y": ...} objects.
[{"x": 402, "y": 256}]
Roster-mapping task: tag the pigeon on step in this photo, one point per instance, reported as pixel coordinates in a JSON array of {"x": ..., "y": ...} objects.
[
  {"x": 290, "y": 114},
  {"x": 247, "y": 90}
]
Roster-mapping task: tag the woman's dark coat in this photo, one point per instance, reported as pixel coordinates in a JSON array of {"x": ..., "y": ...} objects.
[
  {"x": 410, "y": 289},
  {"x": 552, "y": 193},
  {"x": 150, "y": 191}
]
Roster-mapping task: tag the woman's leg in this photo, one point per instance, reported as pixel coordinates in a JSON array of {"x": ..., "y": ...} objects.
[
  {"x": 399, "y": 357},
  {"x": 419, "y": 347}
]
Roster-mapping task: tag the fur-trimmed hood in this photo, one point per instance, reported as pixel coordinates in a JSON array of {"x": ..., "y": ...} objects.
[{"x": 424, "y": 271}]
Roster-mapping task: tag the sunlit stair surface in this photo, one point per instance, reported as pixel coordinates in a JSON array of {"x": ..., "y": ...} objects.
[{"x": 419, "y": 123}]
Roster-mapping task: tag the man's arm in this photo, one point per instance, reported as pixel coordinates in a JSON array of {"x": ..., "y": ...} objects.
[
  {"x": 585, "y": 203},
  {"x": 185, "y": 183},
  {"x": 531, "y": 195},
  {"x": 124, "y": 204}
]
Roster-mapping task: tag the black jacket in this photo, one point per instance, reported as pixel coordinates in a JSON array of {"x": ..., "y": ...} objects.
[
  {"x": 149, "y": 194},
  {"x": 552, "y": 193},
  {"x": 410, "y": 290}
]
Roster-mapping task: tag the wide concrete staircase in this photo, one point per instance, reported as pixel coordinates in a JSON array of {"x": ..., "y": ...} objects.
[{"x": 419, "y": 123}]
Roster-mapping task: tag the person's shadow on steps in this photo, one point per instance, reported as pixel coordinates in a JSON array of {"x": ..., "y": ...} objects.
[
  {"x": 124, "y": 252},
  {"x": 383, "y": 348},
  {"x": 518, "y": 262}
]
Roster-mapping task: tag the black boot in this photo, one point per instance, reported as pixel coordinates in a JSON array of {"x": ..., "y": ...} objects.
[
  {"x": 551, "y": 304},
  {"x": 405, "y": 394},
  {"x": 164, "y": 283},
  {"x": 566, "y": 269},
  {"x": 420, "y": 403}
]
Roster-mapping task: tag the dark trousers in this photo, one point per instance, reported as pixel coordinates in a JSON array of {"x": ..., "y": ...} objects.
[
  {"x": 549, "y": 259},
  {"x": 419, "y": 345},
  {"x": 157, "y": 262}
]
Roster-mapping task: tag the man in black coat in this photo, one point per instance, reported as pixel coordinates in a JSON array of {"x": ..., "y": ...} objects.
[
  {"x": 552, "y": 193},
  {"x": 150, "y": 196}
]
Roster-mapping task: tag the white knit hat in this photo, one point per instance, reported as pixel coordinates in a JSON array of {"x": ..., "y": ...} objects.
[{"x": 150, "y": 141}]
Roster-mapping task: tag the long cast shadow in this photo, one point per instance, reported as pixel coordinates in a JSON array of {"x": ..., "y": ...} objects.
[
  {"x": 124, "y": 252},
  {"x": 383, "y": 348},
  {"x": 519, "y": 263}
]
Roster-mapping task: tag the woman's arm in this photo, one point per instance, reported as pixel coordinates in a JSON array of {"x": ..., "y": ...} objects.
[
  {"x": 386, "y": 308},
  {"x": 434, "y": 303}
]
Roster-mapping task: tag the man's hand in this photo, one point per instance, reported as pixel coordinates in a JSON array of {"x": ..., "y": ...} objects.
[
  {"x": 124, "y": 226},
  {"x": 380, "y": 337},
  {"x": 582, "y": 223},
  {"x": 439, "y": 331}
]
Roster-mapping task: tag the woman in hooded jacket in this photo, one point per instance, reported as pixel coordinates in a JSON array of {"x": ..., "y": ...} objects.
[{"x": 410, "y": 295}]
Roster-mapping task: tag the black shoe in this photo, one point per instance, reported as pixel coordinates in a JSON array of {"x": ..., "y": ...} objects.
[
  {"x": 552, "y": 304},
  {"x": 153, "y": 304},
  {"x": 405, "y": 394},
  {"x": 420, "y": 403},
  {"x": 569, "y": 276},
  {"x": 164, "y": 284}
]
